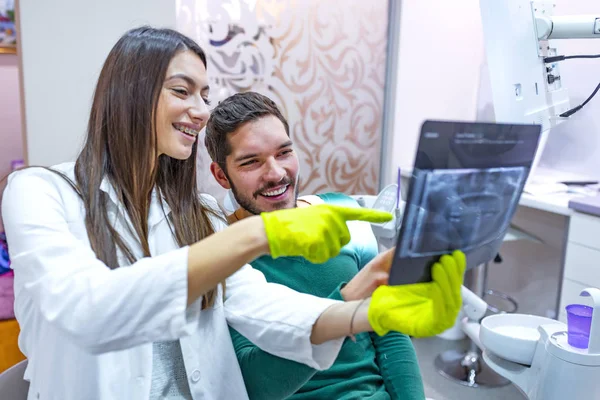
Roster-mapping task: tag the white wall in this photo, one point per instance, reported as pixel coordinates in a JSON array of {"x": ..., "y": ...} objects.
[
  {"x": 63, "y": 46},
  {"x": 11, "y": 141},
  {"x": 440, "y": 54}
]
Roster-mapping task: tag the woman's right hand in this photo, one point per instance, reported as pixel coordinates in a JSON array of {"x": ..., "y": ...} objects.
[
  {"x": 316, "y": 233},
  {"x": 421, "y": 309}
]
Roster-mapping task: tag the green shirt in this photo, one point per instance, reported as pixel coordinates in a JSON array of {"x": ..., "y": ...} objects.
[{"x": 373, "y": 367}]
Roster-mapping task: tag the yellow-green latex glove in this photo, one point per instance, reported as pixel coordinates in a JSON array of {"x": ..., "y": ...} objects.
[
  {"x": 421, "y": 309},
  {"x": 316, "y": 233}
]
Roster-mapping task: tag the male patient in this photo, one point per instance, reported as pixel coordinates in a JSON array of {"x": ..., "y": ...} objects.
[{"x": 248, "y": 140}]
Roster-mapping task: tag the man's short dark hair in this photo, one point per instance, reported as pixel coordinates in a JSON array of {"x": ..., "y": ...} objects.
[{"x": 232, "y": 113}]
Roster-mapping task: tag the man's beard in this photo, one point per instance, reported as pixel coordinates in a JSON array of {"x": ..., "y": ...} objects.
[{"x": 249, "y": 204}]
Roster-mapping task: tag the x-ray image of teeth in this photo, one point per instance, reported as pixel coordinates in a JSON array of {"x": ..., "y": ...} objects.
[{"x": 460, "y": 208}]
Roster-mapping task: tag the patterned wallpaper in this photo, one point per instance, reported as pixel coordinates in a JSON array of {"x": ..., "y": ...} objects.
[{"x": 322, "y": 61}]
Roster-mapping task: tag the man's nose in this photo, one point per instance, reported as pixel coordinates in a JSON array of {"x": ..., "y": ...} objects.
[{"x": 275, "y": 172}]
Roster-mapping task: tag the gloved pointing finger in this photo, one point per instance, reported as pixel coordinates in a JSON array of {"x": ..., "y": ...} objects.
[
  {"x": 363, "y": 214},
  {"x": 316, "y": 233}
]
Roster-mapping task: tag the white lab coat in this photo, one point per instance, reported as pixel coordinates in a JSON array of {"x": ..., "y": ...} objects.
[{"x": 88, "y": 330}]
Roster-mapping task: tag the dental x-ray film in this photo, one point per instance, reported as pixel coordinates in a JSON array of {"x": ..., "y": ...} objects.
[{"x": 464, "y": 190}]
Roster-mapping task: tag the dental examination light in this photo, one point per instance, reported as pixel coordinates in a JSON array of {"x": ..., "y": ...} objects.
[{"x": 521, "y": 42}]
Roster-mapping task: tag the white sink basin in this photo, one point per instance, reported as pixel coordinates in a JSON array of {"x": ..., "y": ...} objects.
[{"x": 512, "y": 336}]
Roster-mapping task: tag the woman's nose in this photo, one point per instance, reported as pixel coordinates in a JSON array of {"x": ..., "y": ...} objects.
[{"x": 199, "y": 112}]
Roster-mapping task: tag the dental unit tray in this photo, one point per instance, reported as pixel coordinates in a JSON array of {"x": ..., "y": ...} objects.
[{"x": 464, "y": 190}]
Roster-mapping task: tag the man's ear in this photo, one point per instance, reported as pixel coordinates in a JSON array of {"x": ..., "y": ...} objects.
[{"x": 219, "y": 175}]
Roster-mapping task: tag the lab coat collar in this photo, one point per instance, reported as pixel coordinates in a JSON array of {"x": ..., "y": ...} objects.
[{"x": 157, "y": 211}]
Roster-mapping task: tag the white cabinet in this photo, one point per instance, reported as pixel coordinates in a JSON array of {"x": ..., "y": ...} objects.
[
  {"x": 582, "y": 261},
  {"x": 584, "y": 229}
]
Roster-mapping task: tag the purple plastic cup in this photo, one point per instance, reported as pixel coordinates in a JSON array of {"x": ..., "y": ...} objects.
[
  {"x": 16, "y": 164},
  {"x": 579, "y": 323}
]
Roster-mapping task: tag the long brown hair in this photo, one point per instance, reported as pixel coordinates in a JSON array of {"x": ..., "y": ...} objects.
[{"x": 121, "y": 146}]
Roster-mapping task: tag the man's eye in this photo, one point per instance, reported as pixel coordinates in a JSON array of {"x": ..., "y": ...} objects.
[{"x": 248, "y": 163}]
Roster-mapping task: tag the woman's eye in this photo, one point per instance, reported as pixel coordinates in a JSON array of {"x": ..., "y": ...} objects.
[
  {"x": 206, "y": 101},
  {"x": 182, "y": 92}
]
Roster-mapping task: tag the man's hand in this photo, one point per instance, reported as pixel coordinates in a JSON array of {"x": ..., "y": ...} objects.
[{"x": 370, "y": 277}]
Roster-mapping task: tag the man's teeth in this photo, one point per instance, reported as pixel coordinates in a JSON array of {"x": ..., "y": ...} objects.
[
  {"x": 275, "y": 192},
  {"x": 187, "y": 130}
]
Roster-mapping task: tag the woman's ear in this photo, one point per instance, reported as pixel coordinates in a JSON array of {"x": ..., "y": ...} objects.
[{"x": 219, "y": 175}]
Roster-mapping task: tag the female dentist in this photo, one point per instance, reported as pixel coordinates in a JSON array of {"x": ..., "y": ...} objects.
[{"x": 126, "y": 278}]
